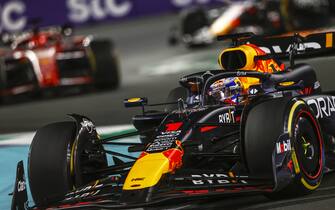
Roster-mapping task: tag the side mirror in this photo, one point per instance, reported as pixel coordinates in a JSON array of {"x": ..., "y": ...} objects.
[{"x": 135, "y": 102}]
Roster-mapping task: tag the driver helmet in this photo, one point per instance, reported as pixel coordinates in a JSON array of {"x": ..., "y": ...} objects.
[{"x": 226, "y": 90}]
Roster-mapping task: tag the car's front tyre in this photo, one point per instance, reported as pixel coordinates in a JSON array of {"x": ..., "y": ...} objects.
[{"x": 62, "y": 158}]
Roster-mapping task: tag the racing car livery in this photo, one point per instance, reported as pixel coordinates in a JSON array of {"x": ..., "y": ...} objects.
[
  {"x": 48, "y": 58},
  {"x": 269, "y": 130}
]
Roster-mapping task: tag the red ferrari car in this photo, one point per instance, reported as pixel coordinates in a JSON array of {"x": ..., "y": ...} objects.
[{"x": 42, "y": 59}]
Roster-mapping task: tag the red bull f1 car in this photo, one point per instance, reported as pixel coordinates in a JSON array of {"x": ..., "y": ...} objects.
[
  {"x": 272, "y": 134},
  {"x": 41, "y": 59}
]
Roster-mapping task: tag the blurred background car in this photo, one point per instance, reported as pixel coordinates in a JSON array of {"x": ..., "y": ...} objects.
[
  {"x": 200, "y": 25},
  {"x": 42, "y": 59}
]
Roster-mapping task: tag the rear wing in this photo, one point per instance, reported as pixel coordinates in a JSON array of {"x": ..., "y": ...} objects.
[{"x": 308, "y": 43}]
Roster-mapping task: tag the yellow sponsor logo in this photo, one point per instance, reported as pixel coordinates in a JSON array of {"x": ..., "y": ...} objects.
[
  {"x": 147, "y": 171},
  {"x": 286, "y": 83},
  {"x": 131, "y": 100}
]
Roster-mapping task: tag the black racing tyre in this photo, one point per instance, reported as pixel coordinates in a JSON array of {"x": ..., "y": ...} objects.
[
  {"x": 106, "y": 64},
  {"x": 265, "y": 123},
  {"x": 173, "y": 96},
  {"x": 59, "y": 161},
  {"x": 263, "y": 126},
  {"x": 48, "y": 168}
]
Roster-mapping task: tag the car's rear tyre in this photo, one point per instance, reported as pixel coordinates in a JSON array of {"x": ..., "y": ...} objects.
[
  {"x": 264, "y": 125},
  {"x": 106, "y": 65},
  {"x": 56, "y": 162}
]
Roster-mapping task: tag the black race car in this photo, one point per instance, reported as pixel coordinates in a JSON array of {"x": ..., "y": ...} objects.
[
  {"x": 44, "y": 59},
  {"x": 276, "y": 139}
]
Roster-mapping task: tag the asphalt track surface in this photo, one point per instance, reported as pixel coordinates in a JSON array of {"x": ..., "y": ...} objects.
[{"x": 151, "y": 68}]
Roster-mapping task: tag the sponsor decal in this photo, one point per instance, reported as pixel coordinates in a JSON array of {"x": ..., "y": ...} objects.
[
  {"x": 168, "y": 134},
  {"x": 137, "y": 179},
  {"x": 202, "y": 179},
  {"x": 253, "y": 91},
  {"x": 241, "y": 73},
  {"x": 227, "y": 117},
  {"x": 15, "y": 13},
  {"x": 283, "y": 146},
  {"x": 323, "y": 106},
  {"x": 163, "y": 141},
  {"x": 12, "y": 16},
  {"x": 160, "y": 145},
  {"x": 82, "y": 193},
  {"x": 21, "y": 186},
  {"x": 185, "y": 3},
  {"x": 85, "y": 189},
  {"x": 301, "y": 48},
  {"x": 197, "y": 109},
  {"x": 81, "y": 11}
]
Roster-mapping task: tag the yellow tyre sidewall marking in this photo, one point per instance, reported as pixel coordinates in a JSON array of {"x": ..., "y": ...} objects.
[
  {"x": 74, "y": 146},
  {"x": 308, "y": 186},
  {"x": 295, "y": 162}
]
